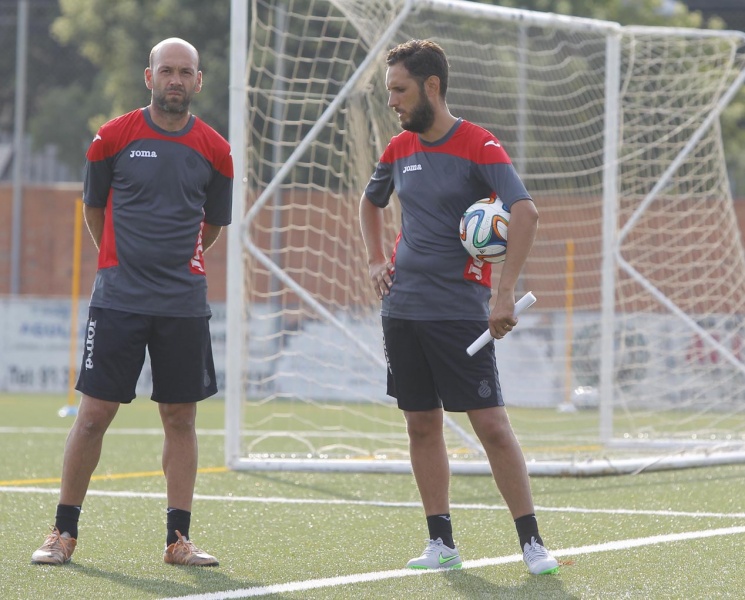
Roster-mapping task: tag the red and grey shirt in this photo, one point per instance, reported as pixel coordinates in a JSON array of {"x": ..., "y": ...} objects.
[
  {"x": 435, "y": 278},
  {"x": 158, "y": 189}
]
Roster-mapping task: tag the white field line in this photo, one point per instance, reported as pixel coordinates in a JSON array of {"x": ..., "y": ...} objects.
[
  {"x": 344, "y": 580},
  {"x": 329, "y": 582},
  {"x": 201, "y": 432},
  {"x": 377, "y": 503},
  {"x": 111, "y": 431}
]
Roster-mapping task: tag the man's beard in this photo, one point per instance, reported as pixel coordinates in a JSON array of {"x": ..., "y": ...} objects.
[
  {"x": 422, "y": 116},
  {"x": 179, "y": 108}
]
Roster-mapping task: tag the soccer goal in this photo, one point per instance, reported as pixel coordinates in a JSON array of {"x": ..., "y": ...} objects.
[{"x": 633, "y": 356}]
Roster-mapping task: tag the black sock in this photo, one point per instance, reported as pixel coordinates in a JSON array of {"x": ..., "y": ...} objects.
[
  {"x": 66, "y": 519},
  {"x": 441, "y": 527},
  {"x": 527, "y": 528},
  {"x": 177, "y": 519}
]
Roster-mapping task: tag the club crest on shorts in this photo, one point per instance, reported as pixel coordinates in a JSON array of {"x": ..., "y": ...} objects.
[{"x": 484, "y": 389}]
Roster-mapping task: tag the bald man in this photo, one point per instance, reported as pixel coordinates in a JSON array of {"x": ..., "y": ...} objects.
[{"x": 157, "y": 190}]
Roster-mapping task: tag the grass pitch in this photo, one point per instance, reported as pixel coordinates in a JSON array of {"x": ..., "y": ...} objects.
[{"x": 675, "y": 534}]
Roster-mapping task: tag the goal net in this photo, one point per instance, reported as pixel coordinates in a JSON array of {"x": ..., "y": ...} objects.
[{"x": 633, "y": 355}]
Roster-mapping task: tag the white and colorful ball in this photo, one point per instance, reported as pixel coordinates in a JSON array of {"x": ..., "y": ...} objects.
[{"x": 483, "y": 230}]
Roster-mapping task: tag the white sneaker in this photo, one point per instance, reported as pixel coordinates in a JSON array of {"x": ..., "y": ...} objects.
[
  {"x": 538, "y": 559},
  {"x": 436, "y": 556}
]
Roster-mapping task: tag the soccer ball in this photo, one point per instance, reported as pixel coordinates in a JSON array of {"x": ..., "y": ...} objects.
[{"x": 483, "y": 230}]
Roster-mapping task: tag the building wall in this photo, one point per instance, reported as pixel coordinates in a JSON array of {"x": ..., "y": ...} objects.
[
  {"x": 48, "y": 220},
  {"x": 47, "y": 245}
]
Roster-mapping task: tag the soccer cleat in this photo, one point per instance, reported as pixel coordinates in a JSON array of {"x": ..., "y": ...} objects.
[
  {"x": 436, "y": 556},
  {"x": 56, "y": 549},
  {"x": 184, "y": 552},
  {"x": 538, "y": 559}
]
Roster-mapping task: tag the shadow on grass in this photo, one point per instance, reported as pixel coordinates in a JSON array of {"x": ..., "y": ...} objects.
[
  {"x": 651, "y": 479},
  {"x": 204, "y": 580},
  {"x": 310, "y": 482},
  {"x": 467, "y": 585}
]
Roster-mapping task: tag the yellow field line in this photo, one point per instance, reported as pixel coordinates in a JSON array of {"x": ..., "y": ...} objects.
[{"x": 108, "y": 477}]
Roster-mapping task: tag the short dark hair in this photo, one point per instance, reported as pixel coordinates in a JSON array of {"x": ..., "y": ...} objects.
[{"x": 421, "y": 58}]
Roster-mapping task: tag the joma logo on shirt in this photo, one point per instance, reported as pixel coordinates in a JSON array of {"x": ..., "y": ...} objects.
[
  {"x": 145, "y": 153},
  {"x": 409, "y": 168}
]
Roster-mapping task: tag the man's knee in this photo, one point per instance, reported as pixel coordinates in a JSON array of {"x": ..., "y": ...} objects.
[
  {"x": 424, "y": 424},
  {"x": 491, "y": 424},
  {"x": 94, "y": 416},
  {"x": 178, "y": 416}
]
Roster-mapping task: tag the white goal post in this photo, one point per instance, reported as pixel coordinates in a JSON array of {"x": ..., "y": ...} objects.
[{"x": 632, "y": 358}]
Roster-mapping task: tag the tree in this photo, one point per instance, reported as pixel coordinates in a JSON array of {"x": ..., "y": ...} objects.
[
  {"x": 639, "y": 12},
  {"x": 116, "y": 37},
  {"x": 91, "y": 67},
  {"x": 86, "y": 61},
  {"x": 664, "y": 14},
  {"x": 51, "y": 69}
]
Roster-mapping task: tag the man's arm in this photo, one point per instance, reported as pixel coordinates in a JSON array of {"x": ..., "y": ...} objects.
[
  {"x": 94, "y": 219},
  {"x": 378, "y": 266},
  {"x": 520, "y": 236},
  {"x": 210, "y": 233}
]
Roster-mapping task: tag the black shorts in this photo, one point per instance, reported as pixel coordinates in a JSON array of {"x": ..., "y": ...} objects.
[
  {"x": 180, "y": 351},
  {"x": 428, "y": 366}
]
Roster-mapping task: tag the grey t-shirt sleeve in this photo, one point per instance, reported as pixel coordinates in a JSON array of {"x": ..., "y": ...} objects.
[
  {"x": 381, "y": 184},
  {"x": 97, "y": 176},
  {"x": 219, "y": 201},
  {"x": 504, "y": 180}
]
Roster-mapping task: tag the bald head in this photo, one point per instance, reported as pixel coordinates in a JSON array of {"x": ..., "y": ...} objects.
[
  {"x": 174, "y": 77},
  {"x": 170, "y": 43}
]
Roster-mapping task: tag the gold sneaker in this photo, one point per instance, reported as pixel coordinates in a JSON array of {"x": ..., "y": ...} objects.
[
  {"x": 184, "y": 552},
  {"x": 56, "y": 549}
]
